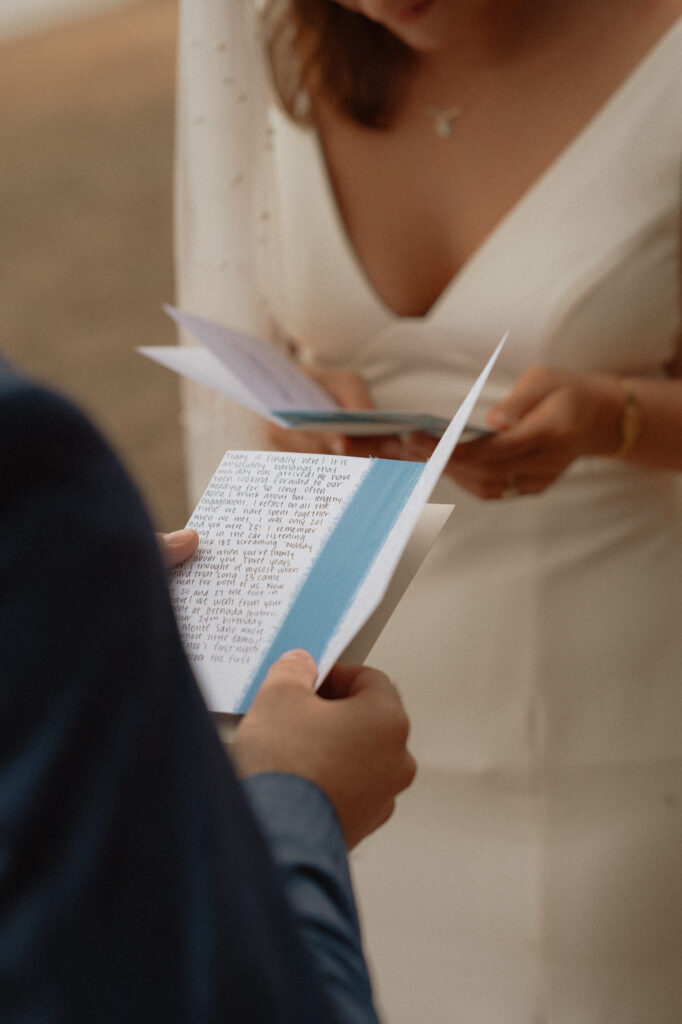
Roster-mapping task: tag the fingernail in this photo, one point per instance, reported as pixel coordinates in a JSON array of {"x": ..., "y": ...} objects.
[
  {"x": 337, "y": 445},
  {"x": 498, "y": 420},
  {"x": 178, "y": 537},
  {"x": 298, "y": 655}
]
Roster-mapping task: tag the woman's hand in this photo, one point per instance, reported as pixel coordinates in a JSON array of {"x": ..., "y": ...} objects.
[
  {"x": 176, "y": 547},
  {"x": 548, "y": 419},
  {"x": 351, "y": 392}
]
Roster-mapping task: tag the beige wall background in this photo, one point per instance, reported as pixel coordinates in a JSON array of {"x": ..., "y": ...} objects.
[
  {"x": 86, "y": 161},
  {"x": 21, "y": 16}
]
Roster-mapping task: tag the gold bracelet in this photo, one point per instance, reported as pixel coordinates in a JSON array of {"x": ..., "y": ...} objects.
[{"x": 631, "y": 420}]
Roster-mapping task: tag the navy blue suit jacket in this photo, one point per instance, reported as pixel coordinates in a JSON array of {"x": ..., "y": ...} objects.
[{"x": 136, "y": 883}]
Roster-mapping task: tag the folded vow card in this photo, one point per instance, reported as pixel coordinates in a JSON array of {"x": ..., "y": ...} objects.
[
  {"x": 255, "y": 374},
  {"x": 299, "y": 551}
]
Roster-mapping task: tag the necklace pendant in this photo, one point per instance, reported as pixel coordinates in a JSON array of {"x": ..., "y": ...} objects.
[{"x": 444, "y": 120}]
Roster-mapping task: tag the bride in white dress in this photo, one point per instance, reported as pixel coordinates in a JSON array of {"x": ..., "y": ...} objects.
[{"x": 527, "y": 179}]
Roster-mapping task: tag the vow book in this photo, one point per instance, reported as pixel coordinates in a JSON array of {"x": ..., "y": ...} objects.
[
  {"x": 255, "y": 374},
  {"x": 299, "y": 551}
]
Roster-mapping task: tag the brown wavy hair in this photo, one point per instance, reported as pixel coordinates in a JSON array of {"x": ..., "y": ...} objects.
[{"x": 318, "y": 48}]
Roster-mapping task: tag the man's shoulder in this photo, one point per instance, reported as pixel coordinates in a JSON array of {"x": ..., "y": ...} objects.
[
  {"x": 21, "y": 395},
  {"x": 36, "y": 425},
  {"x": 11, "y": 381}
]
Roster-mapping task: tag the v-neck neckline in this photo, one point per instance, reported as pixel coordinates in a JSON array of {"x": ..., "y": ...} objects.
[{"x": 540, "y": 184}]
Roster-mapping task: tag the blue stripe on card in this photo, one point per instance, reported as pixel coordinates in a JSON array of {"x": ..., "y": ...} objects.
[{"x": 342, "y": 564}]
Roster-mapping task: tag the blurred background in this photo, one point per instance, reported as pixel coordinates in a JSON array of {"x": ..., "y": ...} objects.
[{"x": 86, "y": 166}]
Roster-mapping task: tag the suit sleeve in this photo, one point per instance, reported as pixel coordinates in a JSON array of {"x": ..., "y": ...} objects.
[
  {"x": 135, "y": 884},
  {"x": 306, "y": 842}
]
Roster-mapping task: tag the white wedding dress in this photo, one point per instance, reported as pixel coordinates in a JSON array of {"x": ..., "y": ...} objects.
[{"x": 532, "y": 873}]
